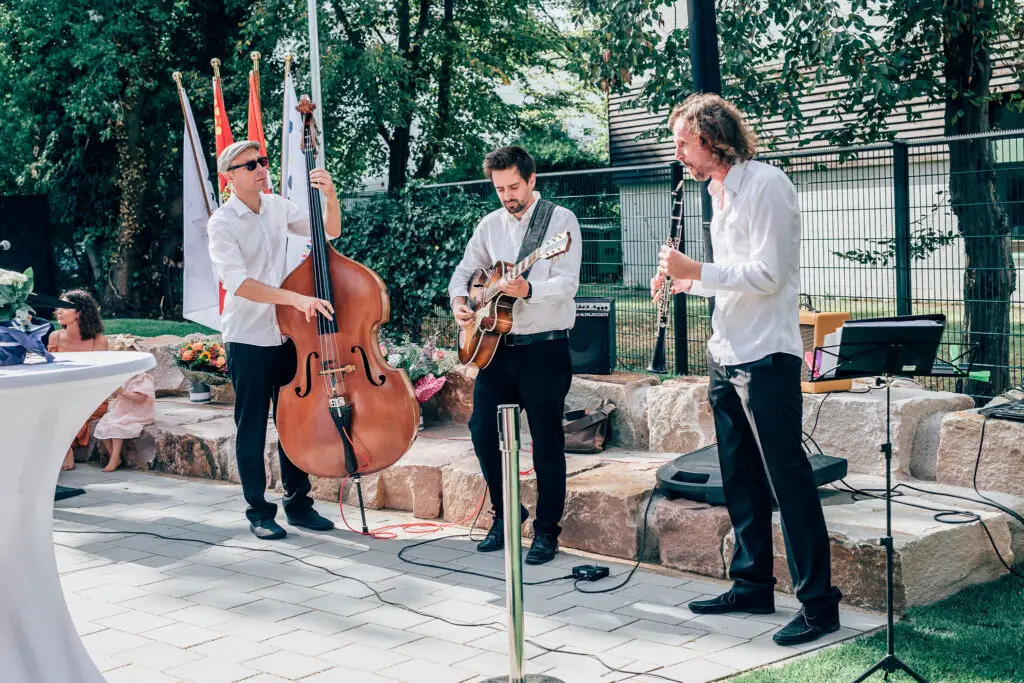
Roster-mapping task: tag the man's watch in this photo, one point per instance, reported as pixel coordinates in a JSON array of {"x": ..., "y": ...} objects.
[{"x": 529, "y": 290}]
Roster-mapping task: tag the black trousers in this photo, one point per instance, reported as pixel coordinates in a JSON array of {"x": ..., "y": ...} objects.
[
  {"x": 537, "y": 377},
  {"x": 758, "y": 411},
  {"x": 257, "y": 373}
]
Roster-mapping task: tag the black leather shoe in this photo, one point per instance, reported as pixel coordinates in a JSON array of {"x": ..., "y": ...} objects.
[
  {"x": 267, "y": 530},
  {"x": 310, "y": 519},
  {"x": 734, "y": 602},
  {"x": 807, "y": 626},
  {"x": 495, "y": 538},
  {"x": 543, "y": 549}
]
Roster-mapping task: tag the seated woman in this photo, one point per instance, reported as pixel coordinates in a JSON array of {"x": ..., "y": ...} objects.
[
  {"x": 131, "y": 409},
  {"x": 81, "y": 329}
]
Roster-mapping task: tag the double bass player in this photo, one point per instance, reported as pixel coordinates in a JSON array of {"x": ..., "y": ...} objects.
[{"x": 247, "y": 243}]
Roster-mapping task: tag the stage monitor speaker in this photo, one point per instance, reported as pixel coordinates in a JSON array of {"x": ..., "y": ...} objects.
[
  {"x": 592, "y": 338},
  {"x": 696, "y": 476},
  {"x": 813, "y": 328},
  {"x": 24, "y": 223}
]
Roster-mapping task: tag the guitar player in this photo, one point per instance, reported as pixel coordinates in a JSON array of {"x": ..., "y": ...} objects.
[{"x": 531, "y": 366}]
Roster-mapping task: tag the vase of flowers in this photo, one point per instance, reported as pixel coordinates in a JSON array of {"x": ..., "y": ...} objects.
[
  {"x": 18, "y": 334},
  {"x": 426, "y": 365},
  {"x": 204, "y": 363}
]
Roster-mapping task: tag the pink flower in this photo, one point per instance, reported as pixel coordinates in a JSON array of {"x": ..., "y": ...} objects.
[{"x": 438, "y": 355}]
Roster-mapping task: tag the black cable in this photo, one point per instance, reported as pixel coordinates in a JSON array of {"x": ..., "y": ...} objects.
[
  {"x": 470, "y": 572},
  {"x": 489, "y": 624},
  {"x": 639, "y": 558}
]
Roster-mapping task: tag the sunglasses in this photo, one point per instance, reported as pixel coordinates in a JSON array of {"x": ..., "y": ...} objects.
[{"x": 251, "y": 165}]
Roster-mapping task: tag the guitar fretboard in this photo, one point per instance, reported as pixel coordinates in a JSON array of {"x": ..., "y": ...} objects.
[{"x": 516, "y": 271}]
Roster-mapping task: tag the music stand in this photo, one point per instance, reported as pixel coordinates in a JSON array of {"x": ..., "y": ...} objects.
[{"x": 903, "y": 346}]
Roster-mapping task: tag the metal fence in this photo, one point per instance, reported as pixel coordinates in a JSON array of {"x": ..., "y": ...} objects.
[{"x": 879, "y": 237}]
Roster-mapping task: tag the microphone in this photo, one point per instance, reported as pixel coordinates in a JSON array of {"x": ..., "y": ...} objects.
[{"x": 4, "y": 245}]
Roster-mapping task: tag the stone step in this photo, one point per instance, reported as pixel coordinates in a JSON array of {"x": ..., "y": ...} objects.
[{"x": 998, "y": 457}]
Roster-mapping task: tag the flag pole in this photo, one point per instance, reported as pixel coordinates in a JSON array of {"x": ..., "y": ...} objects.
[
  {"x": 255, "y": 56},
  {"x": 314, "y": 72},
  {"x": 195, "y": 146},
  {"x": 284, "y": 125}
]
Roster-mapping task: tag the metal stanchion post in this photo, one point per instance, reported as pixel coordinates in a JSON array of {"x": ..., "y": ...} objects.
[{"x": 508, "y": 437}]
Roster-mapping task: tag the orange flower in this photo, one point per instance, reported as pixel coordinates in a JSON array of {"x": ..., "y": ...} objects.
[
  {"x": 220, "y": 362},
  {"x": 197, "y": 346},
  {"x": 187, "y": 355}
]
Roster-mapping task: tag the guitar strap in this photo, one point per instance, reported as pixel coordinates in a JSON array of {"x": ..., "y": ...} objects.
[{"x": 535, "y": 231}]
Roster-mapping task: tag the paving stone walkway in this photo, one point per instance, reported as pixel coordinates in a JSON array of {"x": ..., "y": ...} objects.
[{"x": 151, "y": 610}]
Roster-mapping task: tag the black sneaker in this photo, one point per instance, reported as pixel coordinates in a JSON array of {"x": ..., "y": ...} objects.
[
  {"x": 267, "y": 530},
  {"x": 807, "y": 626},
  {"x": 543, "y": 549},
  {"x": 735, "y": 602},
  {"x": 310, "y": 519}
]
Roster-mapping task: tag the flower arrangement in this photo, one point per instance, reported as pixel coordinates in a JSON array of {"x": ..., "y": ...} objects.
[
  {"x": 426, "y": 365},
  {"x": 18, "y": 334},
  {"x": 202, "y": 359},
  {"x": 15, "y": 289}
]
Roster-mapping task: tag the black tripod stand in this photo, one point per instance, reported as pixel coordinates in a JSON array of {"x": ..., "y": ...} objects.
[{"x": 889, "y": 347}]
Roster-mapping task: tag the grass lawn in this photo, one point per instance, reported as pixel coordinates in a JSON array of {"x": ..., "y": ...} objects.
[
  {"x": 152, "y": 328},
  {"x": 976, "y": 636}
]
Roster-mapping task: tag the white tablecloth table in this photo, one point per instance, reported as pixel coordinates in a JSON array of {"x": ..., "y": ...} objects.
[{"x": 42, "y": 407}]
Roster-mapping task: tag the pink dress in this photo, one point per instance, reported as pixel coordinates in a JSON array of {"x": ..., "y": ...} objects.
[{"x": 126, "y": 417}]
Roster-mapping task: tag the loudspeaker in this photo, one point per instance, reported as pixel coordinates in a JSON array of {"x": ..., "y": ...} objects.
[
  {"x": 813, "y": 328},
  {"x": 697, "y": 476},
  {"x": 592, "y": 338},
  {"x": 24, "y": 223}
]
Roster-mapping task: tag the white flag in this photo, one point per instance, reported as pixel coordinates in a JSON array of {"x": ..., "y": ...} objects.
[
  {"x": 201, "y": 299},
  {"x": 293, "y": 175}
]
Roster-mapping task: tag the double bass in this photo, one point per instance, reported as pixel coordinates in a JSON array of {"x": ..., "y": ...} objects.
[{"x": 346, "y": 412}]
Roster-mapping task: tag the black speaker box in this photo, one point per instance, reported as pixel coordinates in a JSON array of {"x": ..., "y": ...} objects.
[
  {"x": 24, "y": 223},
  {"x": 592, "y": 338}
]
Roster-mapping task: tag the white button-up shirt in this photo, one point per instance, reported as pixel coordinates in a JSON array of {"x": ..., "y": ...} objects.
[
  {"x": 245, "y": 245},
  {"x": 498, "y": 237},
  {"x": 755, "y": 277}
]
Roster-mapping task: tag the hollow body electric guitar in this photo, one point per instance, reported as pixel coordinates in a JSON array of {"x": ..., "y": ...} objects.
[{"x": 492, "y": 309}]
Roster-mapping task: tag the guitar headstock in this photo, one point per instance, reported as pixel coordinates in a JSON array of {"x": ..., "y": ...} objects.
[
  {"x": 556, "y": 246},
  {"x": 309, "y": 131}
]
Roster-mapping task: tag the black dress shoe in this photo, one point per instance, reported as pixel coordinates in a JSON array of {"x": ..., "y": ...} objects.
[
  {"x": 543, "y": 549},
  {"x": 807, "y": 626},
  {"x": 310, "y": 519},
  {"x": 267, "y": 530},
  {"x": 734, "y": 602},
  {"x": 495, "y": 538}
]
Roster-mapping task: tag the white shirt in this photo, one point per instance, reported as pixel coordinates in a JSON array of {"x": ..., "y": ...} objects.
[
  {"x": 245, "y": 245},
  {"x": 755, "y": 277},
  {"x": 498, "y": 237}
]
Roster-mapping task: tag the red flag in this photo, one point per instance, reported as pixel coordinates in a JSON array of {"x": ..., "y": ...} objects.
[
  {"x": 256, "y": 119},
  {"x": 220, "y": 124},
  {"x": 223, "y": 131}
]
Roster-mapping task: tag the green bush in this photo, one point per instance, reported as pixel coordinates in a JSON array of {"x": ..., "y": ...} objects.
[{"x": 413, "y": 240}]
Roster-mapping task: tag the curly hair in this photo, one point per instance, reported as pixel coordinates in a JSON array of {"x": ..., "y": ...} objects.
[
  {"x": 719, "y": 125},
  {"x": 89, "y": 322}
]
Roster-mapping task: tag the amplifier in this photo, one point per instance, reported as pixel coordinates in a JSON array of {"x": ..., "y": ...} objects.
[
  {"x": 592, "y": 337},
  {"x": 813, "y": 328}
]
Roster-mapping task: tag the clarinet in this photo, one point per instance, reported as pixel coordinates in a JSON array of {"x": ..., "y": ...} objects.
[{"x": 658, "y": 364}]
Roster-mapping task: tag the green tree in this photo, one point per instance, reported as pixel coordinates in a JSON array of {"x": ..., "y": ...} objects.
[
  {"x": 887, "y": 56},
  {"x": 411, "y": 88},
  {"x": 92, "y": 121}
]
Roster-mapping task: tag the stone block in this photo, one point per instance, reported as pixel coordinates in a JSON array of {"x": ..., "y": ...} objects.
[
  {"x": 1002, "y": 453},
  {"x": 455, "y": 400},
  {"x": 679, "y": 415},
  {"x": 851, "y": 424},
  {"x": 166, "y": 376},
  {"x": 628, "y": 391},
  {"x": 414, "y": 483},
  {"x": 931, "y": 560},
  {"x": 604, "y": 510},
  {"x": 691, "y": 535}
]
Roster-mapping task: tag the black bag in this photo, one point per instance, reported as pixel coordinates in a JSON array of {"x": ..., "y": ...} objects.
[{"x": 586, "y": 431}]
